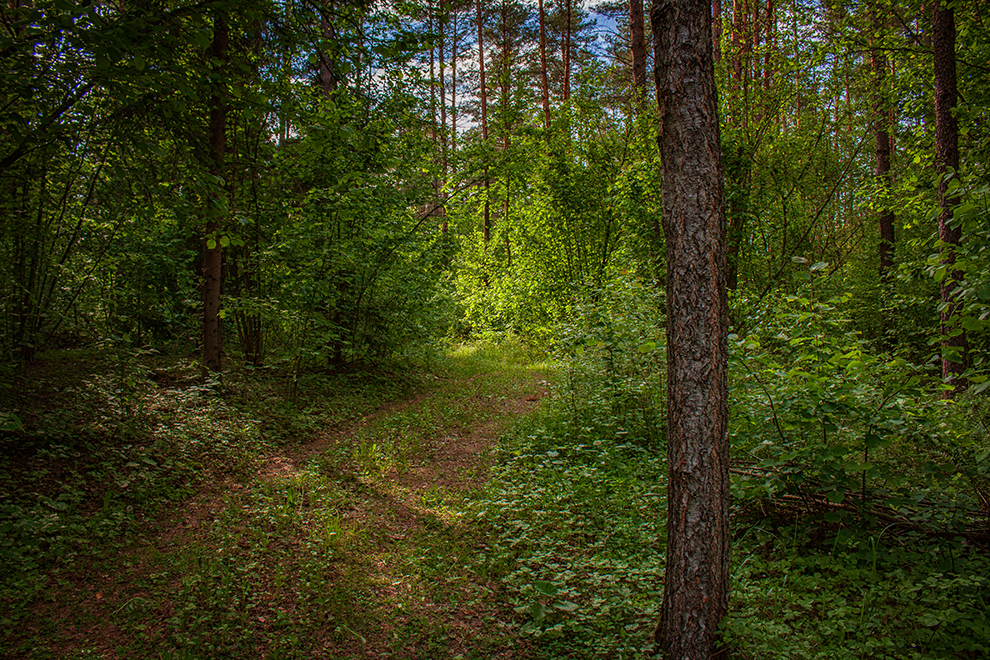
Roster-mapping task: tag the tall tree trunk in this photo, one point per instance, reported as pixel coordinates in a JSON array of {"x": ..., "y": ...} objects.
[
  {"x": 881, "y": 132},
  {"x": 212, "y": 259},
  {"x": 566, "y": 46},
  {"x": 544, "y": 84},
  {"x": 433, "y": 78},
  {"x": 326, "y": 74},
  {"x": 797, "y": 69},
  {"x": 443, "y": 88},
  {"x": 696, "y": 585},
  {"x": 453, "y": 82},
  {"x": 637, "y": 37},
  {"x": 483, "y": 93},
  {"x": 771, "y": 31},
  {"x": 954, "y": 343}
]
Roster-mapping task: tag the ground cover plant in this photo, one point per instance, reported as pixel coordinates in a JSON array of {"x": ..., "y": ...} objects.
[
  {"x": 341, "y": 328},
  {"x": 576, "y": 508},
  {"x": 337, "y": 531}
]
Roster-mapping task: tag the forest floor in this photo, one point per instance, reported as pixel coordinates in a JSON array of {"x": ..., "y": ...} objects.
[{"x": 354, "y": 542}]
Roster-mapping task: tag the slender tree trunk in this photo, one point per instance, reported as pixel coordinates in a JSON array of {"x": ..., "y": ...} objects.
[
  {"x": 771, "y": 30},
  {"x": 696, "y": 583},
  {"x": 954, "y": 345},
  {"x": 212, "y": 260},
  {"x": 483, "y": 93},
  {"x": 453, "y": 83},
  {"x": 797, "y": 69},
  {"x": 567, "y": 50},
  {"x": 443, "y": 89},
  {"x": 433, "y": 78},
  {"x": 637, "y": 37},
  {"x": 544, "y": 84},
  {"x": 881, "y": 132}
]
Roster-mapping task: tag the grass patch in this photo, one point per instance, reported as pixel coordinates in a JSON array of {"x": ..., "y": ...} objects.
[
  {"x": 231, "y": 550},
  {"x": 576, "y": 526},
  {"x": 857, "y": 594}
]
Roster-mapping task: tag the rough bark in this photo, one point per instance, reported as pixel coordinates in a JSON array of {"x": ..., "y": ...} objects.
[
  {"x": 717, "y": 30},
  {"x": 212, "y": 258},
  {"x": 954, "y": 343},
  {"x": 327, "y": 65},
  {"x": 566, "y": 47},
  {"x": 695, "y": 591},
  {"x": 637, "y": 37},
  {"x": 544, "y": 83},
  {"x": 881, "y": 133},
  {"x": 487, "y": 221}
]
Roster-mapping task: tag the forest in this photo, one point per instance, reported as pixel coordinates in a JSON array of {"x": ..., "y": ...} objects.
[{"x": 344, "y": 328}]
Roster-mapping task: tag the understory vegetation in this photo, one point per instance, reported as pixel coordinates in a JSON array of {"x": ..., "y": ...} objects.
[
  {"x": 845, "y": 543},
  {"x": 339, "y": 329}
]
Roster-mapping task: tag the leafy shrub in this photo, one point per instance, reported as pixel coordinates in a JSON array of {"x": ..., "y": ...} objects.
[
  {"x": 577, "y": 537},
  {"x": 856, "y": 596},
  {"x": 817, "y": 415},
  {"x": 614, "y": 364}
]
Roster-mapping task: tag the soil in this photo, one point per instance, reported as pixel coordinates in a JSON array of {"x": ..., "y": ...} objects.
[{"x": 453, "y": 463}]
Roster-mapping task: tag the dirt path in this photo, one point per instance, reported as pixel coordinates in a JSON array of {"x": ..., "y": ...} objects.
[{"x": 354, "y": 544}]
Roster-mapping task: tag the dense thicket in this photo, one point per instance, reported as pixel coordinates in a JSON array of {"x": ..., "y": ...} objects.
[{"x": 325, "y": 184}]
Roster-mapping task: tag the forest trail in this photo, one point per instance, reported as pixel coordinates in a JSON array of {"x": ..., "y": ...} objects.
[{"x": 356, "y": 543}]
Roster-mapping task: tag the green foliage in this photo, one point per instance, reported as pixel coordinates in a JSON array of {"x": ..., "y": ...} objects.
[
  {"x": 816, "y": 414},
  {"x": 570, "y": 513},
  {"x": 856, "y": 596},
  {"x": 590, "y": 210},
  {"x": 614, "y": 364}
]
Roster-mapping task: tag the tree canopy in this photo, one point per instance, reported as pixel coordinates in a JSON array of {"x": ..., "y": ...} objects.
[{"x": 310, "y": 187}]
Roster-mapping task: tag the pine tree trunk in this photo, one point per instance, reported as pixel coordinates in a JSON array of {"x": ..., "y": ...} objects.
[
  {"x": 212, "y": 259},
  {"x": 954, "y": 343},
  {"x": 544, "y": 84},
  {"x": 483, "y": 93},
  {"x": 326, "y": 74},
  {"x": 567, "y": 50},
  {"x": 637, "y": 37},
  {"x": 453, "y": 83},
  {"x": 881, "y": 132},
  {"x": 696, "y": 583}
]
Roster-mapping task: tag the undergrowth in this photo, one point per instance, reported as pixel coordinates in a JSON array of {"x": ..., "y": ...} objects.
[
  {"x": 856, "y": 527},
  {"x": 576, "y": 534},
  {"x": 228, "y": 549},
  {"x": 113, "y": 440}
]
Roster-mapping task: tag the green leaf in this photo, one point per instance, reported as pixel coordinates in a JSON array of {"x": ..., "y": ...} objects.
[
  {"x": 566, "y": 606},
  {"x": 10, "y": 422},
  {"x": 979, "y": 388},
  {"x": 971, "y": 324},
  {"x": 835, "y": 496},
  {"x": 224, "y": 241},
  {"x": 211, "y": 244},
  {"x": 546, "y": 588},
  {"x": 872, "y": 440}
]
